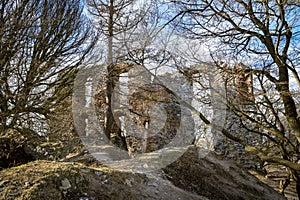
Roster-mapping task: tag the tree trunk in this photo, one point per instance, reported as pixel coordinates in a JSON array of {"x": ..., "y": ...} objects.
[
  {"x": 112, "y": 127},
  {"x": 110, "y": 79}
]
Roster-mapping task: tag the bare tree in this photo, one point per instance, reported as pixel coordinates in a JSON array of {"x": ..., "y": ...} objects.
[
  {"x": 267, "y": 34},
  {"x": 42, "y": 43},
  {"x": 116, "y": 20}
]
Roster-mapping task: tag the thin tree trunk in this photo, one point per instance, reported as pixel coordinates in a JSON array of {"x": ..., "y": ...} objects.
[
  {"x": 112, "y": 127},
  {"x": 110, "y": 79}
]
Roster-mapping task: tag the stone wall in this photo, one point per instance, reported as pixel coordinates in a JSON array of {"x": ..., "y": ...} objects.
[
  {"x": 149, "y": 117},
  {"x": 146, "y": 115}
]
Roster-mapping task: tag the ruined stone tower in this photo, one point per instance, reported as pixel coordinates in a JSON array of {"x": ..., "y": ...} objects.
[
  {"x": 146, "y": 116},
  {"x": 234, "y": 93},
  {"x": 239, "y": 97},
  {"x": 155, "y": 115}
]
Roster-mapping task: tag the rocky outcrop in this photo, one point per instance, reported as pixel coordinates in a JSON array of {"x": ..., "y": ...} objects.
[
  {"x": 19, "y": 147},
  {"x": 207, "y": 174},
  {"x": 198, "y": 174}
]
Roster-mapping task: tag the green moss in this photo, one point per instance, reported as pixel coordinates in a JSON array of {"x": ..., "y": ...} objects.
[{"x": 44, "y": 180}]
